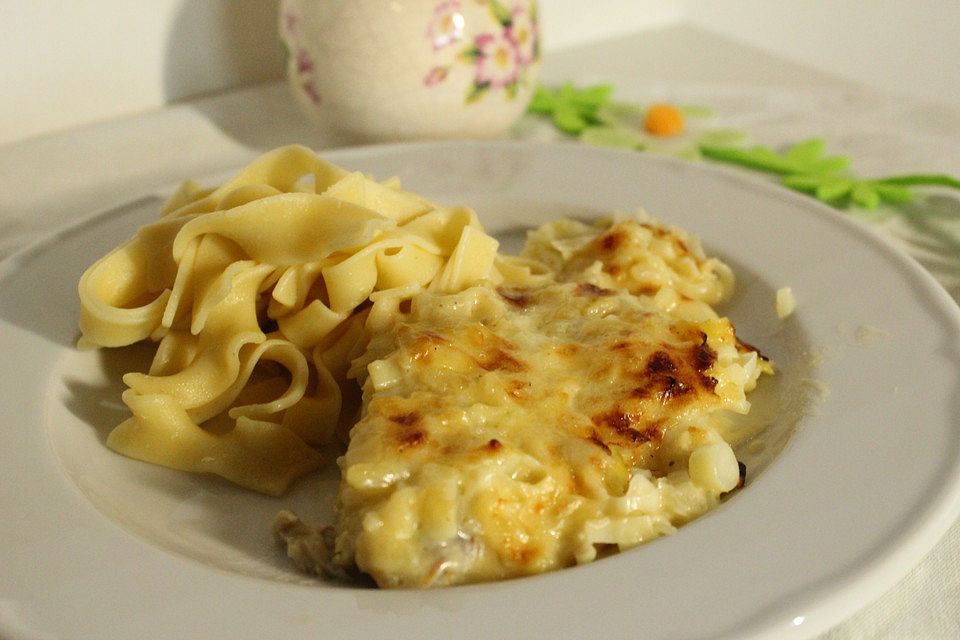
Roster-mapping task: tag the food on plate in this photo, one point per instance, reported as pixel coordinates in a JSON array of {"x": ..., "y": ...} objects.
[
  {"x": 501, "y": 415},
  {"x": 786, "y": 303}
]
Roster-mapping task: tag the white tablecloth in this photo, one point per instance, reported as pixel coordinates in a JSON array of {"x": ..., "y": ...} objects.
[{"x": 48, "y": 182}]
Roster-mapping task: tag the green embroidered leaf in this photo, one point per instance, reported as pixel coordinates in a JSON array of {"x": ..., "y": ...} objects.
[
  {"x": 568, "y": 119},
  {"x": 834, "y": 188},
  {"x": 572, "y": 109},
  {"x": 826, "y": 188},
  {"x": 590, "y": 99},
  {"x": 612, "y": 136},
  {"x": 801, "y": 182},
  {"x": 865, "y": 196},
  {"x": 892, "y": 193},
  {"x": 804, "y": 158},
  {"x": 542, "y": 102},
  {"x": 754, "y": 157},
  {"x": 806, "y": 151},
  {"x": 922, "y": 179},
  {"x": 830, "y": 164},
  {"x": 595, "y": 118}
]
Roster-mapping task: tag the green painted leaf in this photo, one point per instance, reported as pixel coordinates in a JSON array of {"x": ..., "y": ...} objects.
[
  {"x": 500, "y": 13},
  {"x": 470, "y": 55},
  {"x": 476, "y": 92}
]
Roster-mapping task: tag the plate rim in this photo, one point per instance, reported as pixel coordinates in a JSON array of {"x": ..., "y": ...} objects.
[{"x": 912, "y": 545}]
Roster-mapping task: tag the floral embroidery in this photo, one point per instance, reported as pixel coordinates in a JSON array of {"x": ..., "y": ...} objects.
[{"x": 499, "y": 57}]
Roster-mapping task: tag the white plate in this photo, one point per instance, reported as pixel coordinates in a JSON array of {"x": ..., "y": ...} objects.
[{"x": 93, "y": 545}]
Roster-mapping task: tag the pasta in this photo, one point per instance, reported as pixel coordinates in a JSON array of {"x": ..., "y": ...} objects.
[{"x": 256, "y": 294}]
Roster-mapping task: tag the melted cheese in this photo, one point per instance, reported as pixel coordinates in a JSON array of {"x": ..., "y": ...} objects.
[{"x": 518, "y": 429}]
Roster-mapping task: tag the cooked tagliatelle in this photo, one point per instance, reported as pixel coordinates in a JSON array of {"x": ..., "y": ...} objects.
[{"x": 503, "y": 415}]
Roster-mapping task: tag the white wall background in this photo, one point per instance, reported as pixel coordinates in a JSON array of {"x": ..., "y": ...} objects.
[
  {"x": 65, "y": 63},
  {"x": 896, "y": 45}
]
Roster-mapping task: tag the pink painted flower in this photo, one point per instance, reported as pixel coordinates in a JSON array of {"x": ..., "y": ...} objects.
[
  {"x": 291, "y": 21},
  {"x": 497, "y": 63},
  {"x": 523, "y": 32},
  {"x": 304, "y": 62},
  {"x": 436, "y": 75},
  {"x": 310, "y": 89},
  {"x": 447, "y": 24}
]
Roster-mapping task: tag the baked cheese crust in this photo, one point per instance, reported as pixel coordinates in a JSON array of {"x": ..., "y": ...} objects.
[{"x": 518, "y": 429}]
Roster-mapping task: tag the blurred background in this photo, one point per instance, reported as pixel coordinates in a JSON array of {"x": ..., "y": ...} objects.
[{"x": 68, "y": 63}]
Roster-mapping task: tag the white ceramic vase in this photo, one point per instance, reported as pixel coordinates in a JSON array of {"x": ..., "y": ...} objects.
[{"x": 378, "y": 70}]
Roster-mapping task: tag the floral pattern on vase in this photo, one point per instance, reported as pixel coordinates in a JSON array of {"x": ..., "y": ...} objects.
[
  {"x": 447, "y": 25},
  {"x": 369, "y": 70},
  {"x": 499, "y": 56},
  {"x": 303, "y": 66}
]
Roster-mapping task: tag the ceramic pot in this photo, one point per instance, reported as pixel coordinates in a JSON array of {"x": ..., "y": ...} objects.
[{"x": 378, "y": 70}]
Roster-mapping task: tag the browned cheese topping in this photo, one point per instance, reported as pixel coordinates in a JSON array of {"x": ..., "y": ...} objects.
[{"x": 521, "y": 428}]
